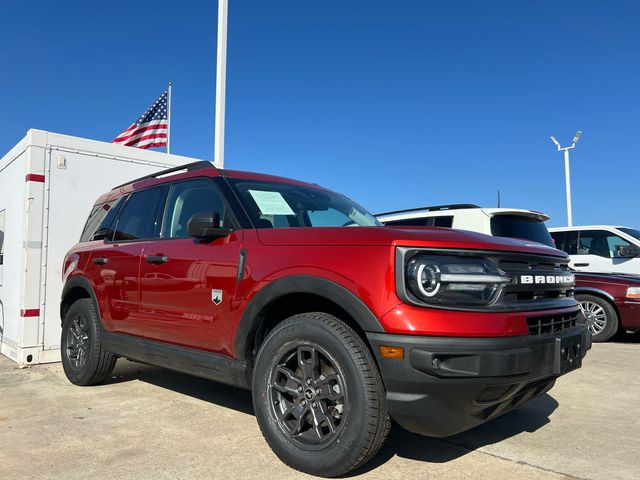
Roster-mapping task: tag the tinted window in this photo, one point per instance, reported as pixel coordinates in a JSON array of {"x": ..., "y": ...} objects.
[
  {"x": 631, "y": 231},
  {"x": 518, "y": 226},
  {"x": 286, "y": 205},
  {"x": 444, "y": 222},
  {"x": 98, "y": 223},
  {"x": 185, "y": 200},
  {"x": 408, "y": 222},
  {"x": 139, "y": 217},
  {"x": 600, "y": 242},
  {"x": 558, "y": 239}
]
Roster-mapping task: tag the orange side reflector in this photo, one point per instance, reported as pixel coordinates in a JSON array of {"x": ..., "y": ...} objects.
[{"x": 391, "y": 352}]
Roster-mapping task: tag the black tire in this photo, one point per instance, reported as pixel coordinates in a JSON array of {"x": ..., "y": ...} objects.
[
  {"x": 84, "y": 360},
  {"x": 355, "y": 404},
  {"x": 602, "y": 318}
]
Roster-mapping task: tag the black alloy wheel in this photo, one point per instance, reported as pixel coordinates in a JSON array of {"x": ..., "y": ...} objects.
[
  {"x": 77, "y": 343},
  {"x": 318, "y": 395},
  {"x": 308, "y": 396},
  {"x": 84, "y": 359}
]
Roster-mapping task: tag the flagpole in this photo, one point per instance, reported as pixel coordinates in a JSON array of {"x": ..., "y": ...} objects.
[
  {"x": 169, "y": 118},
  {"x": 221, "y": 84}
]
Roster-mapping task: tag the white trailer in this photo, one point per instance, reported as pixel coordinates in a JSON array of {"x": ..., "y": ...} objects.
[{"x": 48, "y": 184}]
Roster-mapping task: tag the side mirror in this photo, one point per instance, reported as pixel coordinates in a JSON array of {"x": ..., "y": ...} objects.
[
  {"x": 206, "y": 225},
  {"x": 627, "y": 251}
]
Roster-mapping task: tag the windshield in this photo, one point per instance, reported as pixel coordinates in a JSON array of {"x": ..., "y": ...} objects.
[
  {"x": 522, "y": 227},
  {"x": 631, "y": 231},
  {"x": 283, "y": 205}
]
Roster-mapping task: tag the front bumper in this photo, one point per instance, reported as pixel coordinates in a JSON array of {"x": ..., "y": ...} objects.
[{"x": 446, "y": 385}]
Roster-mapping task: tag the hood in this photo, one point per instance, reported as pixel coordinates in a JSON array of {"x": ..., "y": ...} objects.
[{"x": 400, "y": 236}]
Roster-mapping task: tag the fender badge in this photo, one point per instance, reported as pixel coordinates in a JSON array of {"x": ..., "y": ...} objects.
[{"x": 216, "y": 296}]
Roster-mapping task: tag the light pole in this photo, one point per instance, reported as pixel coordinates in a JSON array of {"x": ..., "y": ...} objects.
[
  {"x": 567, "y": 174},
  {"x": 221, "y": 84}
]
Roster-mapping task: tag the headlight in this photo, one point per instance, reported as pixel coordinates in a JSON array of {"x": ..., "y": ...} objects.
[
  {"x": 633, "y": 293},
  {"x": 450, "y": 280}
]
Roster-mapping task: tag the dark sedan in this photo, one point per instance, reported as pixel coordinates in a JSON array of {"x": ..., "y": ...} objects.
[{"x": 611, "y": 303}]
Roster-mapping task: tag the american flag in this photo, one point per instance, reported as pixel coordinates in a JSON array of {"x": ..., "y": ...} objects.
[{"x": 150, "y": 130}]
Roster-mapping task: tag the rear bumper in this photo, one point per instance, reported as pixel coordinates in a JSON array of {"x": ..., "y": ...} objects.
[{"x": 446, "y": 385}]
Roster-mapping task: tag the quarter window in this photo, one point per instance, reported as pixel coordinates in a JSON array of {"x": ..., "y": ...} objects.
[
  {"x": 407, "y": 222},
  {"x": 99, "y": 221},
  {"x": 187, "y": 199},
  {"x": 139, "y": 217}
]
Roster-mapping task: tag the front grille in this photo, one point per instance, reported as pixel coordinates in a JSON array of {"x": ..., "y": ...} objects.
[
  {"x": 552, "y": 323},
  {"x": 517, "y": 265}
]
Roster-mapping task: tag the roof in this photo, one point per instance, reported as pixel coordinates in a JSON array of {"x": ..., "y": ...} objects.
[
  {"x": 194, "y": 169},
  {"x": 426, "y": 212},
  {"x": 584, "y": 227}
]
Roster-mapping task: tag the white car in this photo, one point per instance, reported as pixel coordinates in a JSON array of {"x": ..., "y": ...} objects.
[
  {"x": 498, "y": 222},
  {"x": 600, "y": 248}
]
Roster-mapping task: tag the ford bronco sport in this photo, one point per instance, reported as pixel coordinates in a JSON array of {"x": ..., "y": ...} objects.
[{"x": 335, "y": 323}]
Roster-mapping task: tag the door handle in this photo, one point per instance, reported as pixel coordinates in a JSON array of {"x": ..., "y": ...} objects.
[
  {"x": 156, "y": 258},
  {"x": 580, "y": 264},
  {"x": 100, "y": 261}
]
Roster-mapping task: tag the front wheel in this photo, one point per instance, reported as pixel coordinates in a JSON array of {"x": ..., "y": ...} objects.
[
  {"x": 318, "y": 396},
  {"x": 602, "y": 319}
]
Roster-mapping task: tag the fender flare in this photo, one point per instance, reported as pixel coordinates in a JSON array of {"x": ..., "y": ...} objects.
[
  {"x": 78, "y": 282},
  {"x": 308, "y": 284},
  {"x": 596, "y": 291}
]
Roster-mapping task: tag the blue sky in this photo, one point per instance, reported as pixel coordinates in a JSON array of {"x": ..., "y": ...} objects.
[{"x": 397, "y": 103}]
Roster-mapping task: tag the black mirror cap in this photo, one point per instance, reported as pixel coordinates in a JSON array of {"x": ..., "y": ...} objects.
[
  {"x": 206, "y": 225},
  {"x": 630, "y": 251}
]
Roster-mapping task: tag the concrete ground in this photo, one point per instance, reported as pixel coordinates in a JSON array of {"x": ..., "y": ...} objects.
[{"x": 149, "y": 423}]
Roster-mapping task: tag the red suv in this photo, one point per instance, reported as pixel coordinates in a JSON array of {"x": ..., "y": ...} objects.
[{"x": 334, "y": 322}]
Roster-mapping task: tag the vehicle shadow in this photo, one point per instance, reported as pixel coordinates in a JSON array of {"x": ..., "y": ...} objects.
[
  {"x": 402, "y": 443},
  {"x": 626, "y": 338},
  {"x": 200, "y": 388},
  {"x": 528, "y": 418}
]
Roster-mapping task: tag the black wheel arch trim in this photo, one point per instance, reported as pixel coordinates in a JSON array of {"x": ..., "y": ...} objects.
[
  {"x": 594, "y": 291},
  {"x": 296, "y": 284},
  {"x": 78, "y": 282}
]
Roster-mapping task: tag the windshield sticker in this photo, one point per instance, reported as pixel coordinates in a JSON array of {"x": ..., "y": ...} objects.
[{"x": 271, "y": 203}]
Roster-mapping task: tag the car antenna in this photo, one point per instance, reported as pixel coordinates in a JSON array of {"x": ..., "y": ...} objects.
[{"x": 498, "y": 198}]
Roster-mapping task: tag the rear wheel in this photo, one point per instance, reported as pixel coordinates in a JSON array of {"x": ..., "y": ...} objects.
[
  {"x": 602, "y": 318},
  {"x": 84, "y": 360},
  {"x": 318, "y": 396}
]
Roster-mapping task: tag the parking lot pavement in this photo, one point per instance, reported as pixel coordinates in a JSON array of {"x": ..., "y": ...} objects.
[{"x": 149, "y": 423}]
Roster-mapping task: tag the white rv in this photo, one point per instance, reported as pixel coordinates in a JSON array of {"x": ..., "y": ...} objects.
[{"x": 48, "y": 183}]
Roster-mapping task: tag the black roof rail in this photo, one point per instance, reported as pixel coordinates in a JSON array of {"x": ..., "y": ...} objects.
[
  {"x": 433, "y": 208},
  {"x": 189, "y": 167}
]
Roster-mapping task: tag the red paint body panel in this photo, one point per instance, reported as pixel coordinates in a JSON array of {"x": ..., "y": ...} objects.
[
  {"x": 615, "y": 286},
  {"x": 171, "y": 302}
]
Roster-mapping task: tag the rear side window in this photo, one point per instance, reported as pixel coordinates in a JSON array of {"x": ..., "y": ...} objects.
[
  {"x": 96, "y": 220},
  {"x": 567, "y": 241},
  {"x": 139, "y": 218},
  {"x": 408, "y": 222},
  {"x": 518, "y": 226},
  {"x": 444, "y": 221}
]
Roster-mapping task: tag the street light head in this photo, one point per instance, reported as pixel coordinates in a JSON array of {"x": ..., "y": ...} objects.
[
  {"x": 553, "y": 139},
  {"x": 577, "y": 137}
]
